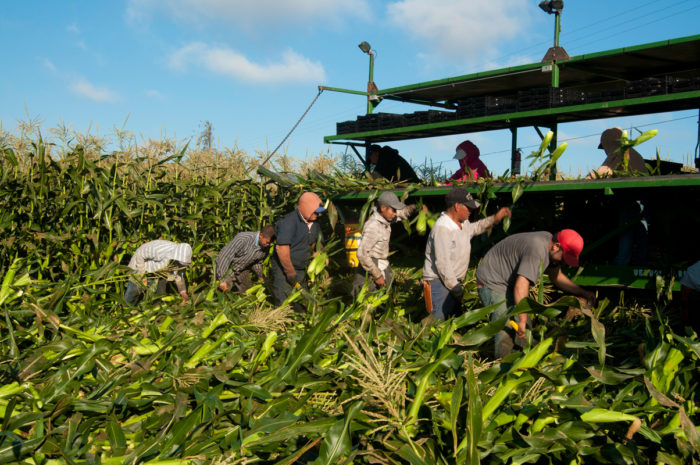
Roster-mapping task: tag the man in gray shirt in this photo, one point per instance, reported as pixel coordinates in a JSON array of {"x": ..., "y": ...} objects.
[
  {"x": 513, "y": 265},
  {"x": 244, "y": 253},
  {"x": 448, "y": 250}
]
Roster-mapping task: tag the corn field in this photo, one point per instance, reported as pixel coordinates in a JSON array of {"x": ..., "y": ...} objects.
[{"x": 231, "y": 379}]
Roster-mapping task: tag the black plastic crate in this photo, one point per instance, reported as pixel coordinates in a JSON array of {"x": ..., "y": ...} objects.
[
  {"x": 645, "y": 87},
  {"x": 675, "y": 85},
  {"x": 533, "y": 99},
  {"x": 471, "y": 107},
  {"x": 346, "y": 127},
  {"x": 561, "y": 97},
  {"x": 412, "y": 119},
  {"x": 499, "y": 105},
  {"x": 437, "y": 116}
]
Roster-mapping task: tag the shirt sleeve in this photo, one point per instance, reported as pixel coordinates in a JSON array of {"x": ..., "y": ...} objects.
[
  {"x": 483, "y": 225},
  {"x": 406, "y": 212},
  {"x": 370, "y": 236},
  {"x": 443, "y": 263}
]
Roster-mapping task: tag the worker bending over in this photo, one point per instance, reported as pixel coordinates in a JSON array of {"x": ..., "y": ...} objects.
[
  {"x": 513, "y": 265},
  {"x": 158, "y": 260},
  {"x": 245, "y": 253}
]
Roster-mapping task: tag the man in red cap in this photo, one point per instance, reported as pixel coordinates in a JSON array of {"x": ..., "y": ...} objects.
[{"x": 513, "y": 265}]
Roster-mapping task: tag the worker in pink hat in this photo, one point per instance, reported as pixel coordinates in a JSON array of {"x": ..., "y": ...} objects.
[
  {"x": 513, "y": 265},
  {"x": 470, "y": 166}
]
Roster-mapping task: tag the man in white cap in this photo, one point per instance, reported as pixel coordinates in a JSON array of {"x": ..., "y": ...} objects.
[
  {"x": 373, "y": 252},
  {"x": 513, "y": 265},
  {"x": 448, "y": 251},
  {"x": 165, "y": 261}
]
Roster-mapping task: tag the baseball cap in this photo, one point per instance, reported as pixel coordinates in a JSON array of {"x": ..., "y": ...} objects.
[
  {"x": 320, "y": 209},
  {"x": 389, "y": 199},
  {"x": 460, "y": 195},
  {"x": 571, "y": 244},
  {"x": 610, "y": 138}
]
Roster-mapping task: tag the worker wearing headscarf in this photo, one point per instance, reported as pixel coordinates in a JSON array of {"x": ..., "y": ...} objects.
[
  {"x": 296, "y": 233},
  {"x": 470, "y": 166},
  {"x": 161, "y": 260}
]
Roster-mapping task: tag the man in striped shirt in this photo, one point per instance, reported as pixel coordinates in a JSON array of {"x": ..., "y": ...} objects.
[
  {"x": 244, "y": 253},
  {"x": 162, "y": 259}
]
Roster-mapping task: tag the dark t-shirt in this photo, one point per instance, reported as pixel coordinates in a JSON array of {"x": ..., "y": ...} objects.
[
  {"x": 293, "y": 231},
  {"x": 519, "y": 254},
  {"x": 391, "y": 165}
]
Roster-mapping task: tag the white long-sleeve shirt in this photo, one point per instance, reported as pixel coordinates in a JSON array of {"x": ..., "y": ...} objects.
[
  {"x": 156, "y": 255},
  {"x": 448, "y": 249}
]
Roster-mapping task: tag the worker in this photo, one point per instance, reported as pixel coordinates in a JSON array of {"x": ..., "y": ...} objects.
[
  {"x": 690, "y": 297},
  {"x": 448, "y": 251},
  {"x": 633, "y": 240},
  {"x": 245, "y": 253},
  {"x": 373, "y": 251},
  {"x": 471, "y": 167},
  {"x": 610, "y": 141},
  {"x": 513, "y": 265},
  {"x": 162, "y": 260},
  {"x": 296, "y": 233},
  {"x": 387, "y": 163}
]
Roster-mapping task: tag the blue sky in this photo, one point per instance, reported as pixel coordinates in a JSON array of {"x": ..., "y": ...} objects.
[{"x": 252, "y": 67}]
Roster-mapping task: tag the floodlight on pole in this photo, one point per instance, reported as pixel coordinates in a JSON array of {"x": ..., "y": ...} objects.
[
  {"x": 365, "y": 47},
  {"x": 372, "y": 98}
]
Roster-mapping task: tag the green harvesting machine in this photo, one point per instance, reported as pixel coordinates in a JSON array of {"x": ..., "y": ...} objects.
[{"x": 653, "y": 217}]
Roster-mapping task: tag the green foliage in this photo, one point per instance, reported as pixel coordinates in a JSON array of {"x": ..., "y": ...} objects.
[{"x": 229, "y": 378}]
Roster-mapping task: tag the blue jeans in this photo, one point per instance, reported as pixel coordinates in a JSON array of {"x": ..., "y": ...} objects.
[
  {"x": 503, "y": 342},
  {"x": 444, "y": 305},
  {"x": 134, "y": 291}
]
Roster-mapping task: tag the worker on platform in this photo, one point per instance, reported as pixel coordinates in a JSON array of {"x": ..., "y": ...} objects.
[
  {"x": 513, "y": 265},
  {"x": 471, "y": 167},
  {"x": 610, "y": 141},
  {"x": 296, "y": 233},
  {"x": 158, "y": 260},
  {"x": 245, "y": 253},
  {"x": 373, "y": 252},
  {"x": 386, "y": 162},
  {"x": 633, "y": 240},
  {"x": 448, "y": 251}
]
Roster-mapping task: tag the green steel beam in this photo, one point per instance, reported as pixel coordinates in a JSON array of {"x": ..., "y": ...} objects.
[
  {"x": 653, "y": 182},
  {"x": 534, "y": 66},
  {"x": 624, "y": 276},
  {"x": 510, "y": 119},
  {"x": 345, "y": 91}
]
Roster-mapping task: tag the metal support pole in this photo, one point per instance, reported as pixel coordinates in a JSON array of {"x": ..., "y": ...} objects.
[
  {"x": 697, "y": 146},
  {"x": 555, "y": 66},
  {"x": 555, "y": 85},
  {"x": 370, "y": 83},
  {"x": 514, "y": 153},
  {"x": 552, "y": 148}
]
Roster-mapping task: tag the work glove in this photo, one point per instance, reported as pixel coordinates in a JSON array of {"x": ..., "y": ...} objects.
[
  {"x": 457, "y": 292},
  {"x": 291, "y": 279}
]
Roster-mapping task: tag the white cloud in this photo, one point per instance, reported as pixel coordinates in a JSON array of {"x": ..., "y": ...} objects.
[
  {"x": 73, "y": 27},
  {"x": 81, "y": 44},
  {"x": 245, "y": 12},
  {"x": 49, "y": 65},
  {"x": 293, "y": 68},
  {"x": 88, "y": 90},
  {"x": 461, "y": 29},
  {"x": 155, "y": 94}
]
